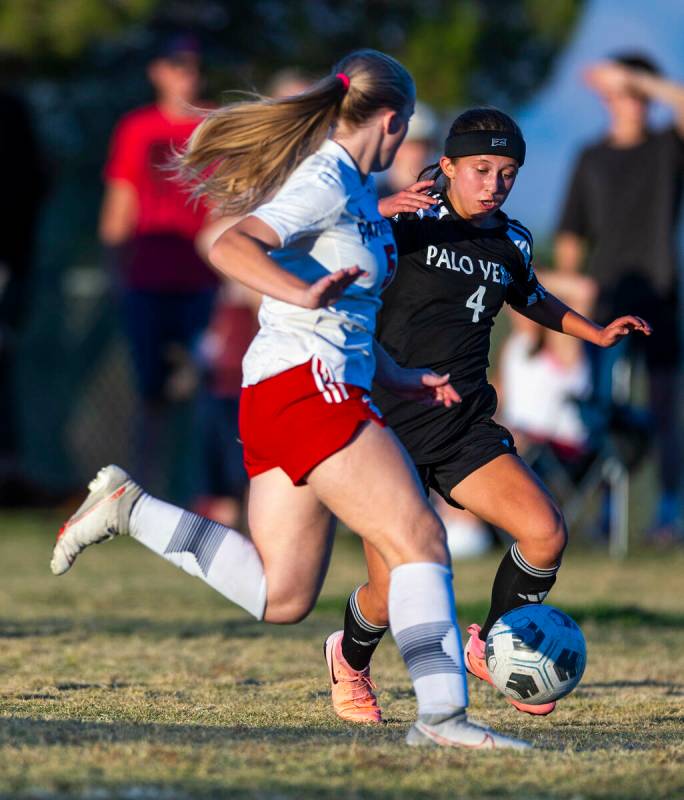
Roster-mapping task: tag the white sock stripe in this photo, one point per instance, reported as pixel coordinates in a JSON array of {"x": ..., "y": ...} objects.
[
  {"x": 360, "y": 620},
  {"x": 535, "y": 572}
]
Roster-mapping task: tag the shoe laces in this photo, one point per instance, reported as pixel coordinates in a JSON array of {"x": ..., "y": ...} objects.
[{"x": 359, "y": 685}]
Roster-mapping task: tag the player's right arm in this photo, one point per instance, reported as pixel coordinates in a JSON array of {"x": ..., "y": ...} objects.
[
  {"x": 309, "y": 203},
  {"x": 241, "y": 253}
]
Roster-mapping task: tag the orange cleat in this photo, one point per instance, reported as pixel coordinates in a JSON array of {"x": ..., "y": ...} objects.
[
  {"x": 353, "y": 698},
  {"x": 474, "y": 656}
]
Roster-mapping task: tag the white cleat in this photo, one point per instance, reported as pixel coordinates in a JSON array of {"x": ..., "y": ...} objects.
[
  {"x": 103, "y": 515},
  {"x": 458, "y": 731}
]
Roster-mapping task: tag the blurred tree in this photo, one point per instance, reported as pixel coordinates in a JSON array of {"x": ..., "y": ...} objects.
[
  {"x": 40, "y": 28},
  {"x": 476, "y": 51},
  {"x": 460, "y": 51}
]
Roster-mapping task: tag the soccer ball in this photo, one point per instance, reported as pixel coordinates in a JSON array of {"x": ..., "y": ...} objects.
[{"x": 535, "y": 654}]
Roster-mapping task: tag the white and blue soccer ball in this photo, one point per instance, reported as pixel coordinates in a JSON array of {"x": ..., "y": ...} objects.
[{"x": 535, "y": 654}]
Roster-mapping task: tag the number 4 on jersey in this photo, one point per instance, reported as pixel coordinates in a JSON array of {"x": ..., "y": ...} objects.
[{"x": 475, "y": 302}]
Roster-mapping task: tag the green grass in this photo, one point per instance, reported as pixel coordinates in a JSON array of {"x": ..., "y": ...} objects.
[{"x": 127, "y": 678}]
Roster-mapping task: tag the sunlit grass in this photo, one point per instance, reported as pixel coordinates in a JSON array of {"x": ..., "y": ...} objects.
[{"x": 126, "y": 678}]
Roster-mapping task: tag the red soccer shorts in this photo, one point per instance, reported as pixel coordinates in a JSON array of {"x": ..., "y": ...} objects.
[{"x": 298, "y": 418}]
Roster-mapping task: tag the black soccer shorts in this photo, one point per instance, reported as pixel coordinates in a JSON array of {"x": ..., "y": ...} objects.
[{"x": 481, "y": 442}]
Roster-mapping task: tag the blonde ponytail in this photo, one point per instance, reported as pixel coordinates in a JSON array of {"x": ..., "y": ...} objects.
[{"x": 242, "y": 153}]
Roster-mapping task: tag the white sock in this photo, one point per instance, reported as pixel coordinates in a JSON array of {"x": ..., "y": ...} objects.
[
  {"x": 220, "y": 556},
  {"x": 422, "y": 616}
]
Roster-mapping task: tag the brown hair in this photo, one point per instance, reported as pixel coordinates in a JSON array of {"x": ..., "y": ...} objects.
[
  {"x": 242, "y": 153},
  {"x": 474, "y": 119}
]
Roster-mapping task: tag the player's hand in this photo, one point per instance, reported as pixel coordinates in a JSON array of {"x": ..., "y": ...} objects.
[
  {"x": 425, "y": 387},
  {"x": 407, "y": 200},
  {"x": 621, "y": 327},
  {"x": 326, "y": 290}
]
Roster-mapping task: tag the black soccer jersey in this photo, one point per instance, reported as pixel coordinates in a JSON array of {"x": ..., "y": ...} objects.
[{"x": 452, "y": 279}]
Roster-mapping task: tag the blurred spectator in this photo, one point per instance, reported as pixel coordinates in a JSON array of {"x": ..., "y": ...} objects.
[
  {"x": 416, "y": 152},
  {"x": 620, "y": 215},
  {"x": 25, "y": 186},
  {"x": 166, "y": 290},
  {"x": 542, "y": 374},
  {"x": 222, "y": 479},
  {"x": 288, "y": 82}
]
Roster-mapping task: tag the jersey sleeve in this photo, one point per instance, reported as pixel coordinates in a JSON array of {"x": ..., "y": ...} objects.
[
  {"x": 574, "y": 213},
  {"x": 307, "y": 204},
  {"x": 407, "y": 229},
  {"x": 399, "y": 231},
  {"x": 523, "y": 288},
  {"x": 123, "y": 162}
]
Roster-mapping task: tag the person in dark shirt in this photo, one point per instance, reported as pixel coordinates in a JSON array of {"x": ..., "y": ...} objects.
[
  {"x": 460, "y": 259},
  {"x": 620, "y": 217}
]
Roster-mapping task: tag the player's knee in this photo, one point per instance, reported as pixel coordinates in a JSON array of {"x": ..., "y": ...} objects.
[
  {"x": 424, "y": 539},
  {"x": 551, "y": 533},
  {"x": 287, "y": 608}
]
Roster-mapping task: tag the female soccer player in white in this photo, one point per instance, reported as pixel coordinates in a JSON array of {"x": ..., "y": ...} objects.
[
  {"x": 315, "y": 447},
  {"x": 460, "y": 259}
]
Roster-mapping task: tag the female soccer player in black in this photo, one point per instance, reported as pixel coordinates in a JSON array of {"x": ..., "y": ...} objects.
[{"x": 460, "y": 259}]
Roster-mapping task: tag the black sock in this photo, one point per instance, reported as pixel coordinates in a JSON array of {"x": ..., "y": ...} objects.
[
  {"x": 517, "y": 583},
  {"x": 360, "y": 636}
]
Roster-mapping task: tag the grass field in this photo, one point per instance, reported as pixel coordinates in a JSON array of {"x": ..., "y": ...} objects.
[{"x": 127, "y": 678}]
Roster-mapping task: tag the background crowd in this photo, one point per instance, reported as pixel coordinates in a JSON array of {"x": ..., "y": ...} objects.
[{"x": 118, "y": 342}]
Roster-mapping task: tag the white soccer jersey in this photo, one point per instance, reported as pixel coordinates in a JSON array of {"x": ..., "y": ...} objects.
[{"x": 327, "y": 218}]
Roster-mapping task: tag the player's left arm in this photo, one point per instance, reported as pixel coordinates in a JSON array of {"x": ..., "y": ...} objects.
[
  {"x": 529, "y": 298},
  {"x": 422, "y": 385},
  {"x": 555, "y": 314}
]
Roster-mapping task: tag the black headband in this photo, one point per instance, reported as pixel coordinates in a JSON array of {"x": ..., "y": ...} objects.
[{"x": 475, "y": 143}]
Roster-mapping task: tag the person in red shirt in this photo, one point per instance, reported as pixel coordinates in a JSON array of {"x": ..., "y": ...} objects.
[{"x": 149, "y": 227}]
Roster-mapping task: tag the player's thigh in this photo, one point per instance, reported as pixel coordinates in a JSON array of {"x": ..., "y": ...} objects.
[
  {"x": 293, "y": 532},
  {"x": 506, "y": 492},
  {"x": 372, "y": 486}
]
